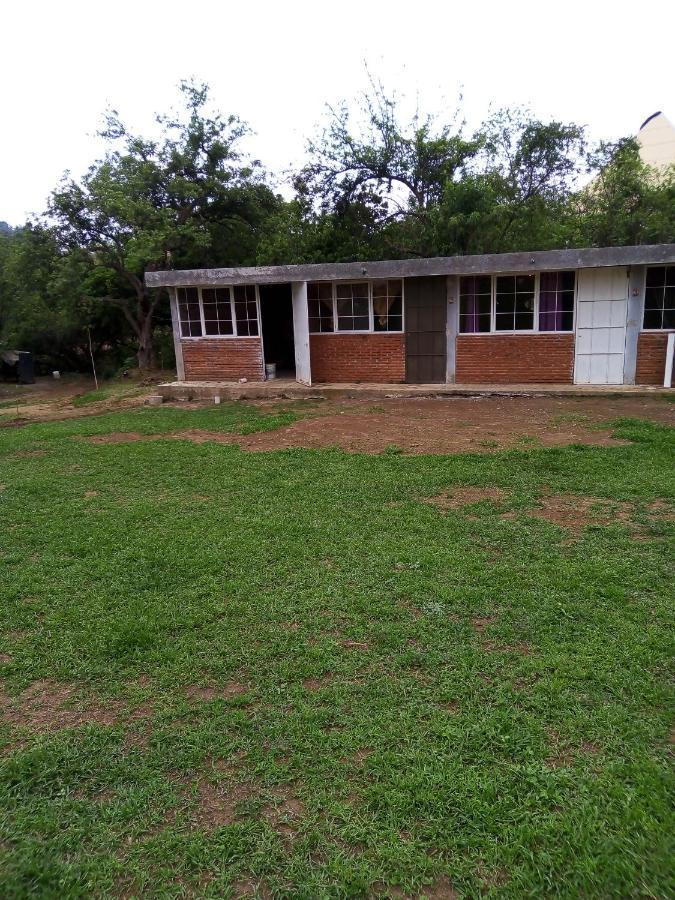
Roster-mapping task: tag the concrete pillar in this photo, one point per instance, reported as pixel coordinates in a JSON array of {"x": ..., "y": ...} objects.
[{"x": 636, "y": 305}]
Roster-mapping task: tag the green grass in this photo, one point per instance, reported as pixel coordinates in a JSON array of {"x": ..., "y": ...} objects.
[{"x": 421, "y": 748}]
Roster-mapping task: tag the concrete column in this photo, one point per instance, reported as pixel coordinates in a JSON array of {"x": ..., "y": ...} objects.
[
  {"x": 452, "y": 327},
  {"x": 303, "y": 369},
  {"x": 175, "y": 323},
  {"x": 636, "y": 305}
]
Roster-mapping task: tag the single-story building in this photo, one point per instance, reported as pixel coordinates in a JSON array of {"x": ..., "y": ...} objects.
[{"x": 590, "y": 316}]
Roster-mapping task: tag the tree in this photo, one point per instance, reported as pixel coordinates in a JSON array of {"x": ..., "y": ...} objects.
[
  {"x": 43, "y": 305},
  {"x": 626, "y": 203},
  {"x": 431, "y": 190},
  {"x": 155, "y": 203},
  {"x": 385, "y": 161}
]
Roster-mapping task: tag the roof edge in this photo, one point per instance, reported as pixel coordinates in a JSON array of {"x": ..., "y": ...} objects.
[{"x": 492, "y": 263}]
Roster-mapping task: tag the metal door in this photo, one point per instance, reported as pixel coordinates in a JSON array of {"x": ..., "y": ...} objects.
[
  {"x": 425, "y": 329},
  {"x": 602, "y": 306}
]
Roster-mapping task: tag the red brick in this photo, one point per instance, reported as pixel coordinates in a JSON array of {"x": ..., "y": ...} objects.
[
  {"x": 374, "y": 358},
  {"x": 227, "y": 359},
  {"x": 651, "y": 358},
  {"x": 515, "y": 359}
]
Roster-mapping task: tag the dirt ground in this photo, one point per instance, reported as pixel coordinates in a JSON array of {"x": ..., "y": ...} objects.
[
  {"x": 50, "y": 399},
  {"x": 455, "y": 424}
]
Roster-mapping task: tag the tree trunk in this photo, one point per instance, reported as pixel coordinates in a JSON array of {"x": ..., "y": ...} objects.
[{"x": 146, "y": 348}]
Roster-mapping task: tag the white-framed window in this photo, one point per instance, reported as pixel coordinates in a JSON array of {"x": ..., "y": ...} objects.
[
  {"x": 218, "y": 312},
  {"x": 531, "y": 302},
  {"x": 659, "y": 314},
  {"x": 355, "y": 306}
]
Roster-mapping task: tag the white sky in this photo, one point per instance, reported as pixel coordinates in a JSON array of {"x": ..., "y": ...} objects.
[{"x": 604, "y": 63}]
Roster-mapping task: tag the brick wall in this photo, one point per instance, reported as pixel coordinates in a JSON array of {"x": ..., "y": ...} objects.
[
  {"x": 377, "y": 358},
  {"x": 515, "y": 359},
  {"x": 223, "y": 360},
  {"x": 651, "y": 358}
]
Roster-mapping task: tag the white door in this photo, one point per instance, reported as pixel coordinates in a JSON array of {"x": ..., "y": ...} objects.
[
  {"x": 303, "y": 369},
  {"x": 602, "y": 306}
]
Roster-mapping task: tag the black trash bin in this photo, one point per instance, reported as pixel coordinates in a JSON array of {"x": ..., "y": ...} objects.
[
  {"x": 24, "y": 368},
  {"x": 17, "y": 365}
]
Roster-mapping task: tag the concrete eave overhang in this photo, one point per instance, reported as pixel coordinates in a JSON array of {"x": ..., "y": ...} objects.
[{"x": 491, "y": 263}]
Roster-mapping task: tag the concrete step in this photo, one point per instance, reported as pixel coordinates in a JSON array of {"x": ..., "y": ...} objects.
[{"x": 286, "y": 389}]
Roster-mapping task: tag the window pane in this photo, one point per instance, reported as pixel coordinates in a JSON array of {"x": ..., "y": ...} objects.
[
  {"x": 320, "y": 315},
  {"x": 188, "y": 312},
  {"x": 524, "y": 321},
  {"x": 659, "y": 298},
  {"x": 566, "y": 321},
  {"x": 505, "y": 303},
  {"x": 506, "y": 284},
  {"x": 654, "y": 298},
  {"x": 653, "y": 318},
  {"x": 556, "y": 301},
  {"x": 567, "y": 281},
  {"x": 503, "y": 323},
  {"x": 475, "y": 301},
  {"x": 217, "y": 311},
  {"x": 566, "y": 301},
  {"x": 361, "y": 306},
  {"x": 245, "y": 309},
  {"x": 388, "y": 305},
  {"x": 656, "y": 276},
  {"x": 353, "y": 306},
  {"x": 344, "y": 307}
]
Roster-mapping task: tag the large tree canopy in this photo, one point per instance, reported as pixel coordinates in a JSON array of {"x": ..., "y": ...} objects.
[
  {"x": 155, "y": 203},
  {"x": 377, "y": 184}
]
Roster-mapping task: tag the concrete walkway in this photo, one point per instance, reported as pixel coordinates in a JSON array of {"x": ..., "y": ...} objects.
[{"x": 288, "y": 389}]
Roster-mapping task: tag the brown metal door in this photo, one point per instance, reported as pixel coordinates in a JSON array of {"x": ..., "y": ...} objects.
[{"x": 425, "y": 329}]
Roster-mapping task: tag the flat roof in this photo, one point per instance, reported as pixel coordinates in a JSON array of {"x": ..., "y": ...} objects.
[{"x": 492, "y": 263}]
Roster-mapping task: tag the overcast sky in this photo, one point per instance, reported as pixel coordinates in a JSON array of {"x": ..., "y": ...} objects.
[{"x": 604, "y": 64}]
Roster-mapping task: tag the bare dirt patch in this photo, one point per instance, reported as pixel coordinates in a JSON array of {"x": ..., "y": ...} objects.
[
  {"x": 285, "y": 813},
  {"x": 355, "y": 645},
  {"x": 480, "y": 623},
  {"x": 459, "y": 497},
  {"x": 316, "y": 684},
  {"x": 217, "y": 805},
  {"x": 216, "y": 692},
  {"x": 248, "y": 888},
  {"x": 575, "y": 511},
  {"x": 450, "y": 425},
  {"x": 564, "y": 756},
  {"x": 50, "y": 705},
  {"x": 28, "y": 454},
  {"x": 441, "y": 889}
]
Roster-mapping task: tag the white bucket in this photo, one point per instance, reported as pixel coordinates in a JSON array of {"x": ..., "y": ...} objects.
[{"x": 271, "y": 371}]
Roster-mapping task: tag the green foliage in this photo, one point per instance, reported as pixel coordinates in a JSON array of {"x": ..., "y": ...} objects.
[
  {"x": 456, "y": 694},
  {"x": 155, "y": 203},
  {"x": 377, "y": 185},
  {"x": 627, "y": 203},
  {"x": 43, "y": 305}
]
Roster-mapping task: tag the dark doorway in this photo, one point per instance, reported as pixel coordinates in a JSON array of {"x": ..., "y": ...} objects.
[
  {"x": 425, "y": 329},
  {"x": 276, "y": 314}
]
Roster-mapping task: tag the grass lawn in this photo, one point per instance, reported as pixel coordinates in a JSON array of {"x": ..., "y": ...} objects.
[{"x": 284, "y": 674}]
